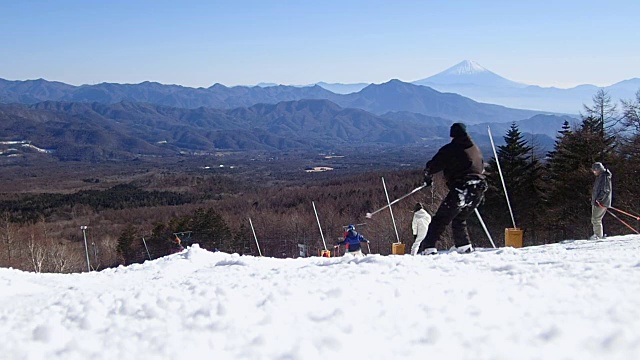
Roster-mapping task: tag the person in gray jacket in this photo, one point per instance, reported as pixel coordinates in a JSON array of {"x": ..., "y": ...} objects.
[{"x": 600, "y": 198}]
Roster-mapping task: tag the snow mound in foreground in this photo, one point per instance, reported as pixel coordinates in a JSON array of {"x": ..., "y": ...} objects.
[{"x": 577, "y": 299}]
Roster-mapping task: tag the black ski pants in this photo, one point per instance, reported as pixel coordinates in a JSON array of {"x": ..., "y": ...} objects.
[{"x": 455, "y": 209}]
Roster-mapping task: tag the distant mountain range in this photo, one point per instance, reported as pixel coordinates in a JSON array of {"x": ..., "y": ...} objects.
[
  {"x": 378, "y": 99},
  {"x": 471, "y": 80},
  {"x": 216, "y": 96},
  {"x": 124, "y": 130},
  {"x": 95, "y": 131},
  {"x": 396, "y": 95},
  {"x": 333, "y": 87},
  {"x": 123, "y": 121},
  {"x": 474, "y": 81},
  {"x": 467, "y": 78},
  {"x": 342, "y": 88}
]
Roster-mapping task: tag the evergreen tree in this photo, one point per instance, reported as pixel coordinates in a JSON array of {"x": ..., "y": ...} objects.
[
  {"x": 563, "y": 195},
  {"x": 566, "y": 129},
  {"x": 242, "y": 240},
  {"x": 569, "y": 168},
  {"x": 521, "y": 171},
  {"x": 127, "y": 249},
  {"x": 162, "y": 240},
  {"x": 627, "y": 168},
  {"x": 211, "y": 231}
]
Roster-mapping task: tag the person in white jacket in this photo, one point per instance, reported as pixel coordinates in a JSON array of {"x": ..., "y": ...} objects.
[{"x": 420, "y": 225}]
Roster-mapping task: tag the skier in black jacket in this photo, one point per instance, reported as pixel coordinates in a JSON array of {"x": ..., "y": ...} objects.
[{"x": 463, "y": 168}]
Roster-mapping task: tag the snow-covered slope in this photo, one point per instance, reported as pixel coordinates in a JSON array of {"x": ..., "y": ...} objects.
[{"x": 574, "y": 300}]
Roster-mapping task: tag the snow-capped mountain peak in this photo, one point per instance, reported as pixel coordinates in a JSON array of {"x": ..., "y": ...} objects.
[
  {"x": 467, "y": 73},
  {"x": 466, "y": 67}
]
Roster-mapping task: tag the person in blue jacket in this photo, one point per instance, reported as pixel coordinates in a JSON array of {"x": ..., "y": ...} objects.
[{"x": 352, "y": 240}]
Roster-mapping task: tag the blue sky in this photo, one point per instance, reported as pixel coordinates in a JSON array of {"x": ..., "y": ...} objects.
[{"x": 242, "y": 42}]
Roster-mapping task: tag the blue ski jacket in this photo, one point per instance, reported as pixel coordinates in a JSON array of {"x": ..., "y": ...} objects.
[{"x": 352, "y": 241}]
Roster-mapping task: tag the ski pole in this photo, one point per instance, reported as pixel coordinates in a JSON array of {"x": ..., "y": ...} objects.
[
  {"x": 627, "y": 225},
  {"x": 484, "y": 227},
  {"x": 369, "y": 215},
  {"x": 361, "y": 224},
  {"x": 636, "y": 217}
]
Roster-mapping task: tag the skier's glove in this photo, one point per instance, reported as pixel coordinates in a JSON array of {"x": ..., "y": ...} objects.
[{"x": 427, "y": 179}]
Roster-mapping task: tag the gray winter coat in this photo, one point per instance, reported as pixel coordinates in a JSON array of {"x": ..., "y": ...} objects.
[{"x": 602, "y": 189}]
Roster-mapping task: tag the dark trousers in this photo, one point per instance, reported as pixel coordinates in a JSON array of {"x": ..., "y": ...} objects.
[{"x": 455, "y": 209}]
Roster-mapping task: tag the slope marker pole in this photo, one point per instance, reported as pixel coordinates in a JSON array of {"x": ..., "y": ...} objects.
[
  {"x": 504, "y": 187},
  {"x": 255, "y": 237},
  {"x": 319, "y": 227},
  {"x": 146, "y": 248},
  {"x": 391, "y": 211}
]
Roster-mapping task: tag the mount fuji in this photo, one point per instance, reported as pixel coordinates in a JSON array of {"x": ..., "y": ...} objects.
[
  {"x": 468, "y": 73},
  {"x": 472, "y": 80},
  {"x": 465, "y": 73}
]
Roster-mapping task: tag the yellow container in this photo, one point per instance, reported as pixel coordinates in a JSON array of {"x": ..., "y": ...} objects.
[
  {"x": 397, "y": 249},
  {"x": 325, "y": 253},
  {"x": 513, "y": 237}
]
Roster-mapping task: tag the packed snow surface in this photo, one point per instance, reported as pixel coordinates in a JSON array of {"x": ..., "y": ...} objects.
[{"x": 572, "y": 300}]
